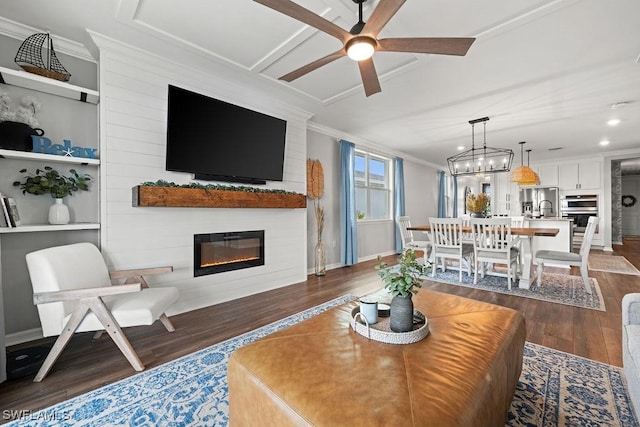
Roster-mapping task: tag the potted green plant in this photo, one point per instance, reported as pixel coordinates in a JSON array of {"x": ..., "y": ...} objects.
[
  {"x": 50, "y": 181},
  {"x": 401, "y": 281}
]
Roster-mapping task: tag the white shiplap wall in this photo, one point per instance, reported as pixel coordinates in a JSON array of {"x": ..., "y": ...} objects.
[{"x": 133, "y": 109}]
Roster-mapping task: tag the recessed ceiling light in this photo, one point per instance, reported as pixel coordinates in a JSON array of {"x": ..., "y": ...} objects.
[
  {"x": 460, "y": 147},
  {"x": 613, "y": 122},
  {"x": 604, "y": 142}
]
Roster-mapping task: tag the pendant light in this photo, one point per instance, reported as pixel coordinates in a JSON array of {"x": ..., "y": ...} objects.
[
  {"x": 480, "y": 161},
  {"x": 524, "y": 175},
  {"x": 536, "y": 173}
]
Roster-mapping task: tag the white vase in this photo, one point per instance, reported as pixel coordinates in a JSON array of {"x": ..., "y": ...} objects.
[{"x": 58, "y": 213}]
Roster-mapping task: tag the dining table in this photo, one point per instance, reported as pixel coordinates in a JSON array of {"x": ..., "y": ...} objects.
[{"x": 527, "y": 234}]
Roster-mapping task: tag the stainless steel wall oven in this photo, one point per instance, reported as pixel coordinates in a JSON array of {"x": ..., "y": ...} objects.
[{"x": 580, "y": 207}]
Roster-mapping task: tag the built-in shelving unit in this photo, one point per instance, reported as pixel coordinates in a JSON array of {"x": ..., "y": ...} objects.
[
  {"x": 13, "y": 276},
  {"x": 47, "y": 85},
  {"x": 26, "y": 155},
  {"x": 48, "y": 227}
]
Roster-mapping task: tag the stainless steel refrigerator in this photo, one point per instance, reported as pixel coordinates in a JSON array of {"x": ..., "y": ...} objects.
[{"x": 540, "y": 201}]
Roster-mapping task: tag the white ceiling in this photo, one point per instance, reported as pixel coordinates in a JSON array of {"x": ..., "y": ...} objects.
[{"x": 543, "y": 71}]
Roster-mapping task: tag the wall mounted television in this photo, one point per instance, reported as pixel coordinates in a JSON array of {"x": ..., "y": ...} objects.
[{"x": 218, "y": 141}]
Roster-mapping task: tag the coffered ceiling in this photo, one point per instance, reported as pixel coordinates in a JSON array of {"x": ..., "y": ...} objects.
[{"x": 544, "y": 71}]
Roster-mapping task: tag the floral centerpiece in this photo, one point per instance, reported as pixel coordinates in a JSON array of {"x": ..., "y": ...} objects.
[
  {"x": 401, "y": 281},
  {"x": 477, "y": 203}
]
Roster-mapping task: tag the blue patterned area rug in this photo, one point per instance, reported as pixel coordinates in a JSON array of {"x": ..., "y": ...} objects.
[
  {"x": 555, "y": 389},
  {"x": 560, "y": 389},
  {"x": 558, "y": 288}
]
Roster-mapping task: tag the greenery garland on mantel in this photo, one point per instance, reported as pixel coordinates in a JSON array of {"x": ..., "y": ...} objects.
[{"x": 241, "y": 188}]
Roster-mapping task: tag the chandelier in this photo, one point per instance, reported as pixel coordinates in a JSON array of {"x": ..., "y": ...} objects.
[
  {"x": 477, "y": 161},
  {"x": 524, "y": 175}
]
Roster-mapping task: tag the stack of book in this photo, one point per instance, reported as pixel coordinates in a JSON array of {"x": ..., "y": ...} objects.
[{"x": 9, "y": 216}]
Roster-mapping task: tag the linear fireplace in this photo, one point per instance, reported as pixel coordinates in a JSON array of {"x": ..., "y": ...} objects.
[{"x": 218, "y": 252}]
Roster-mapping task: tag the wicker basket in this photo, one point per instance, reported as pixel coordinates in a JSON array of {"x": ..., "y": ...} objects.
[{"x": 381, "y": 331}]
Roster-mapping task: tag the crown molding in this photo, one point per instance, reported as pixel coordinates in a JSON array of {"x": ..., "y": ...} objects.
[{"x": 69, "y": 47}]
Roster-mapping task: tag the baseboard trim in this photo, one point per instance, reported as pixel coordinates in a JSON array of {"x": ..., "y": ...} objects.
[{"x": 23, "y": 336}]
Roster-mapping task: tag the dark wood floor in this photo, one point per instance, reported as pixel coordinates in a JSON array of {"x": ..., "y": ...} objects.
[{"x": 87, "y": 364}]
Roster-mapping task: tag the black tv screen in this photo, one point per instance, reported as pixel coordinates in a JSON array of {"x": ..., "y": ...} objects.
[{"x": 219, "y": 141}]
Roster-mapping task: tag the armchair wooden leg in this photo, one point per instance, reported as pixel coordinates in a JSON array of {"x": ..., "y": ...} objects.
[
  {"x": 62, "y": 341},
  {"x": 114, "y": 331},
  {"x": 167, "y": 323}
]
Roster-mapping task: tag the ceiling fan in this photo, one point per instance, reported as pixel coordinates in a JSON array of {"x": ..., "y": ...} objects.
[{"x": 361, "y": 42}]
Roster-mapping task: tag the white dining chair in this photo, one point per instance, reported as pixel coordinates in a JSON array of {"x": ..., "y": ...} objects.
[
  {"x": 446, "y": 237},
  {"x": 493, "y": 243},
  {"x": 408, "y": 240},
  {"x": 519, "y": 221},
  {"x": 571, "y": 258}
]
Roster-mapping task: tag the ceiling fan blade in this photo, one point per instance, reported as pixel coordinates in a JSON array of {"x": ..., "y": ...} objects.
[
  {"x": 369, "y": 77},
  {"x": 298, "y": 12},
  {"x": 381, "y": 15},
  {"x": 313, "y": 66},
  {"x": 436, "y": 45}
]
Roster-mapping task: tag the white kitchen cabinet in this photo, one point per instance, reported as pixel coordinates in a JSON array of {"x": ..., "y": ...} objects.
[
  {"x": 506, "y": 195},
  {"x": 548, "y": 175},
  {"x": 585, "y": 175}
]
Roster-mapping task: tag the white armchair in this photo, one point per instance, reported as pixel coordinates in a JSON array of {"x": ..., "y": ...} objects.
[
  {"x": 73, "y": 291},
  {"x": 631, "y": 346}
]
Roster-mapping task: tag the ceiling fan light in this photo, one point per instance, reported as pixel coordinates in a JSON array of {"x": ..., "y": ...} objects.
[{"x": 360, "y": 48}]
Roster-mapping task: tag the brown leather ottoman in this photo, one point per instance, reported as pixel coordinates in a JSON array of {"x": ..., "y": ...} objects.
[{"x": 320, "y": 372}]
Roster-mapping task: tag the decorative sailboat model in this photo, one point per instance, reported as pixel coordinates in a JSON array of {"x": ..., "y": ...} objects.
[{"x": 36, "y": 55}]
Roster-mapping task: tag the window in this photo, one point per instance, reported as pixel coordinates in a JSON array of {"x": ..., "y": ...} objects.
[{"x": 373, "y": 186}]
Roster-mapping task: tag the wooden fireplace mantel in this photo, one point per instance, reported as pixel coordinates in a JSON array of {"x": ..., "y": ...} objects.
[{"x": 154, "y": 196}]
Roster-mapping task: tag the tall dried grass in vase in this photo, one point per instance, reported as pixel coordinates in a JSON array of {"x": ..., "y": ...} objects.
[{"x": 315, "y": 190}]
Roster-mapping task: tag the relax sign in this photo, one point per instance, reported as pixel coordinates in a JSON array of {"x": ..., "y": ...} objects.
[{"x": 44, "y": 145}]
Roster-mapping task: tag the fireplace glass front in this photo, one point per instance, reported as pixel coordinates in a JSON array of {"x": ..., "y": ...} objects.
[{"x": 218, "y": 252}]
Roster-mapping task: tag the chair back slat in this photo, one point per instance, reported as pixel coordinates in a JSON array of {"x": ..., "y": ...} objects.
[
  {"x": 446, "y": 232},
  {"x": 404, "y": 222},
  {"x": 517, "y": 221},
  {"x": 492, "y": 234}
]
